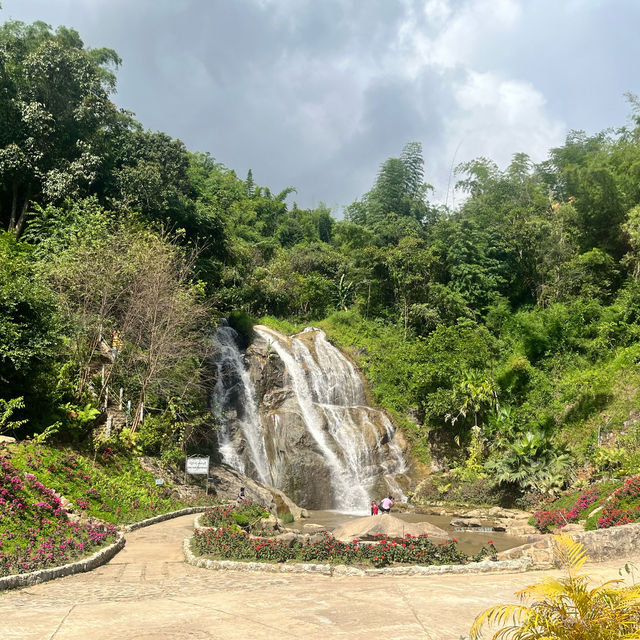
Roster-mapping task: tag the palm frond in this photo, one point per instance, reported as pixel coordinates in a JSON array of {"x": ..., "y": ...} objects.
[
  {"x": 569, "y": 553},
  {"x": 497, "y": 615}
]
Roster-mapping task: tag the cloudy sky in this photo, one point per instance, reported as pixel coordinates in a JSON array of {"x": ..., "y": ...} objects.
[{"x": 316, "y": 94}]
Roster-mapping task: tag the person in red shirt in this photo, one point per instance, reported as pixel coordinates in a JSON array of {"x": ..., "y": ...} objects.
[{"x": 374, "y": 508}]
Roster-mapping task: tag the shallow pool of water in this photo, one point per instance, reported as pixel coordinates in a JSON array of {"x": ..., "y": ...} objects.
[{"x": 468, "y": 541}]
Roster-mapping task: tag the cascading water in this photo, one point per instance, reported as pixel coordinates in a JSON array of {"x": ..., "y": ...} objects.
[
  {"x": 234, "y": 394},
  {"x": 351, "y": 453}
]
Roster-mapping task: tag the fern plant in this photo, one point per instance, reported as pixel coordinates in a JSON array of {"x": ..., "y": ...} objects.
[
  {"x": 566, "y": 608},
  {"x": 7, "y": 409}
]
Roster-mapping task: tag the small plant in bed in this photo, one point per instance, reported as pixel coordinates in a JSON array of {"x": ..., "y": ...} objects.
[{"x": 244, "y": 515}]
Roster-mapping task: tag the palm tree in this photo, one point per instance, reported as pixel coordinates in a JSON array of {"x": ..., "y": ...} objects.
[{"x": 567, "y": 608}]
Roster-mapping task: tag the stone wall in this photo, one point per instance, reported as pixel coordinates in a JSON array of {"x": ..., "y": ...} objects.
[
  {"x": 86, "y": 564},
  {"x": 164, "y": 516},
  {"x": 601, "y": 544}
]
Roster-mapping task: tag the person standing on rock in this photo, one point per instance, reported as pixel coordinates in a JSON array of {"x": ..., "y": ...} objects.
[
  {"x": 386, "y": 504},
  {"x": 241, "y": 497},
  {"x": 374, "y": 508}
]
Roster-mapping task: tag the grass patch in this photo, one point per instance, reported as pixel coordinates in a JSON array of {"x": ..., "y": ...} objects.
[{"x": 283, "y": 326}]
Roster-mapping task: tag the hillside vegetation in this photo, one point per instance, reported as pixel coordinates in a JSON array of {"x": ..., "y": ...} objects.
[{"x": 502, "y": 334}]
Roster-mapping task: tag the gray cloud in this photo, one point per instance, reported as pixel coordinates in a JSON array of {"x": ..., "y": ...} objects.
[{"x": 317, "y": 95}]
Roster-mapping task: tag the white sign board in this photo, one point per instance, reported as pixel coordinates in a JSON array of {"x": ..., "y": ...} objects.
[
  {"x": 159, "y": 481},
  {"x": 197, "y": 465}
]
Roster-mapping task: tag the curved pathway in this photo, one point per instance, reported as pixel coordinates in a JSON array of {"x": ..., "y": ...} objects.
[{"x": 148, "y": 592}]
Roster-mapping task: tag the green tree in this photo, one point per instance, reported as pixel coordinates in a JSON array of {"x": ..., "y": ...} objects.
[
  {"x": 475, "y": 394},
  {"x": 55, "y": 108},
  {"x": 31, "y": 331},
  {"x": 399, "y": 189}
]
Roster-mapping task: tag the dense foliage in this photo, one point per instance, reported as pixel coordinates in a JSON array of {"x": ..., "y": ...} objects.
[
  {"x": 244, "y": 515},
  {"x": 503, "y": 334}
]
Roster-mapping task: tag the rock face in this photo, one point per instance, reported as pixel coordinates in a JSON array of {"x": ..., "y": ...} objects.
[
  {"x": 298, "y": 420},
  {"x": 227, "y": 482},
  {"x": 371, "y": 526}
]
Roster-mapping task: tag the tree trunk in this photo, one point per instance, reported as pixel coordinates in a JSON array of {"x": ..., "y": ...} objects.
[
  {"x": 137, "y": 418},
  {"x": 23, "y": 212},
  {"x": 14, "y": 208},
  {"x": 406, "y": 317}
]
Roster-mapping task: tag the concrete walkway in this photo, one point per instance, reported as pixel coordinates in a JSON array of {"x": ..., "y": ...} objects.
[{"x": 147, "y": 592}]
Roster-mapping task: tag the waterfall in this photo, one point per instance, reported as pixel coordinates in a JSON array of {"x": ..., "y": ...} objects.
[
  {"x": 234, "y": 393},
  {"x": 351, "y": 453}
]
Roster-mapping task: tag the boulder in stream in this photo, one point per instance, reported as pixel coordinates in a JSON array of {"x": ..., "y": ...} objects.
[{"x": 369, "y": 527}]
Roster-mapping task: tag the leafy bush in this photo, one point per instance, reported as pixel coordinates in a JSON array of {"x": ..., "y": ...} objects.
[
  {"x": 244, "y": 515},
  {"x": 532, "y": 462},
  {"x": 243, "y": 323}
]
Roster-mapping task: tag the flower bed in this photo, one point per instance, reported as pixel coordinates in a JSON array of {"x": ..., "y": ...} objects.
[
  {"x": 623, "y": 506},
  {"x": 620, "y": 505},
  {"x": 230, "y": 543},
  {"x": 544, "y": 520},
  {"x": 35, "y": 531}
]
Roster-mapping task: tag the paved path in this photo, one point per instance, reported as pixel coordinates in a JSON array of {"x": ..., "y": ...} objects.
[{"x": 147, "y": 592}]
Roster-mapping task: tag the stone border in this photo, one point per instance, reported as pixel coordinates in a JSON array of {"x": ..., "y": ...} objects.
[
  {"x": 164, "y": 516},
  {"x": 601, "y": 544},
  {"x": 486, "y": 566},
  {"x": 100, "y": 557}
]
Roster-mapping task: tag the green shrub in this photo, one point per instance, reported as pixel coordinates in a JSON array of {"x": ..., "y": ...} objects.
[{"x": 243, "y": 323}]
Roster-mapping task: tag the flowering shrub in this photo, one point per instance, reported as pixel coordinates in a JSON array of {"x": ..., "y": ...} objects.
[
  {"x": 547, "y": 518},
  {"x": 35, "y": 531},
  {"x": 623, "y": 506},
  {"x": 227, "y": 542}
]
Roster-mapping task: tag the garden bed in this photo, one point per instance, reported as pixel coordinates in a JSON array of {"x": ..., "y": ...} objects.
[
  {"x": 37, "y": 532},
  {"x": 327, "y": 569},
  {"x": 606, "y": 505},
  {"x": 108, "y": 485},
  {"x": 218, "y": 536}
]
